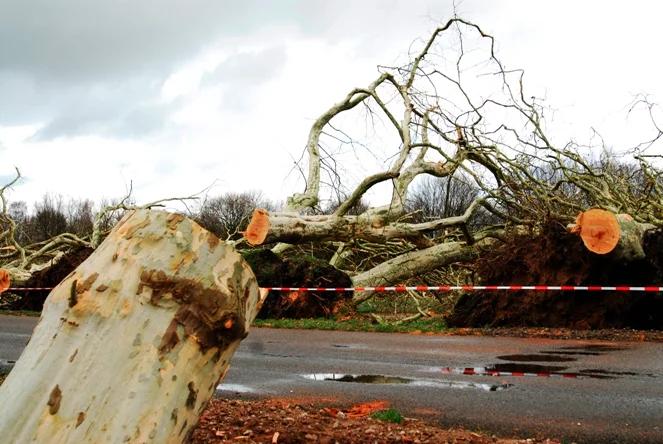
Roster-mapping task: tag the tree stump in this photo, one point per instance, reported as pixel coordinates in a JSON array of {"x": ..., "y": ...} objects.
[{"x": 132, "y": 344}]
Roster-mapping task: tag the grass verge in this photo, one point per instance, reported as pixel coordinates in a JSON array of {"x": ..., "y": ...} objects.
[
  {"x": 355, "y": 324},
  {"x": 20, "y": 313},
  {"x": 419, "y": 326}
]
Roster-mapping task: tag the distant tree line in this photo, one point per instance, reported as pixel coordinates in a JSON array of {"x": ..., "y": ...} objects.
[
  {"x": 226, "y": 215},
  {"x": 51, "y": 216}
]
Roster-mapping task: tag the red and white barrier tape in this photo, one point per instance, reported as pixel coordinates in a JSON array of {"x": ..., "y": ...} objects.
[
  {"x": 29, "y": 288},
  {"x": 402, "y": 289},
  {"x": 482, "y": 371}
]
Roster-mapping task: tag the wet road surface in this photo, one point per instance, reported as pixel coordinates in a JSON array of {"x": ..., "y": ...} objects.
[{"x": 583, "y": 391}]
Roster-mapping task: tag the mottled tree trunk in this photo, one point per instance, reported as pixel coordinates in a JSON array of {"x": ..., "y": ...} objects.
[
  {"x": 132, "y": 344},
  {"x": 631, "y": 240},
  {"x": 630, "y": 235}
]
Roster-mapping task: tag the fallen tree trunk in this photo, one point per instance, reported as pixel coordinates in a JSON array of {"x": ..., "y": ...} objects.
[
  {"x": 374, "y": 226},
  {"x": 619, "y": 235},
  {"x": 132, "y": 344},
  {"x": 552, "y": 256},
  {"x": 403, "y": 267}
]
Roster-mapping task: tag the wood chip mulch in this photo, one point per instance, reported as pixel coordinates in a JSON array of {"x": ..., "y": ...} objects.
[{"x": 283, "y": 422}]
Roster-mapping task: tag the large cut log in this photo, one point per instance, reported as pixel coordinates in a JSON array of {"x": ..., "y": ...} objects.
[
  {"x": 376, "y": 225},
  {"x": 552, "y": 256},
  {"x": 603, "y": 232},
  {"x": 5, "y": 280},
  {"x": 132, "y": 344}
]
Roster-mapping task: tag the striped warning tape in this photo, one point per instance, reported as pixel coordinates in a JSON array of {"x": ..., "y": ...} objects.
[
  {"x": 482, "y": 371},
  {"x": 29, "y": 288},
  {"x": 402, "y": 288}
]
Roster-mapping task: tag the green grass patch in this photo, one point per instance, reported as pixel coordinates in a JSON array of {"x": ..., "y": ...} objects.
[
  {"x": 420, "y": 325},
  {"x": 389, "y": 415},
  {"x": 397, "y": 303},
  {"x": 20, "y": 313}
]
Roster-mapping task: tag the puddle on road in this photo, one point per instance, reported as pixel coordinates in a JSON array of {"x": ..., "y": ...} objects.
[
  {"x": 617, "y": 374},
  {"x": 521, "y": 364},
  {"x": 350, "y": 346},
  {"x": 525, "y": 370},
  {"x": 384, "y": 379},
  {"x": 368, "y": 379},
  {"x": 6, "y": 365},
  {"x": 608, "y": 372},
  {"x": 597, "y": 348},
  {"x": 237, "y": 388},
  {"x": 536, "y": 358},
  {"x": 548, "y": 370},
  {"x": 512, "y": 367},
  {"x": 572, "y": 353}
]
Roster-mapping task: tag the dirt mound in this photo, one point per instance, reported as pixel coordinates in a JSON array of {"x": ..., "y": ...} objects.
[
  {"x": 301, "y": 271},
  {"x": 555, "y": 257},
  {"x": 34, "y": 300}
]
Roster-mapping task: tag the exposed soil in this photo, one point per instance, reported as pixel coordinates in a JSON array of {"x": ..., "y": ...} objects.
[
  {"x": 552, "y": 257},
  {"x": 555, "y": 257},
  {"x": 314, "y": 421},
  {"x": 310, "y": 421},
  {"x": 273, "y": 271},
  {"x": 50, "y": 277}
]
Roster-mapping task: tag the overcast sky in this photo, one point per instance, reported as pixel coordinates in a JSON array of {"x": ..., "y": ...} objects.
[{"x": 176, "y": 96}]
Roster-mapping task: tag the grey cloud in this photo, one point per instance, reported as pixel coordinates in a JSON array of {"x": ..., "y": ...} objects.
[
  {"x": 243, "y": 73},
  {"x": 136, "y": 122},
  {"x": 381, "y": 22},
  {"x": 65, "y": 64},
  {"x": 248, "y": 68},
  {"x": 81, "y": 40},
  {"x": 119, "y": 109}
]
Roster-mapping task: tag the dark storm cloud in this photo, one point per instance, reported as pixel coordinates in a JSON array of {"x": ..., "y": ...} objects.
[
  {"x": 81, "y": 40},
  {"x": 87, "y": 66},
  {"x": 140, "y": 121},
  {"x": 81, "y": 66},
  {"x": 119, "y": 109}
]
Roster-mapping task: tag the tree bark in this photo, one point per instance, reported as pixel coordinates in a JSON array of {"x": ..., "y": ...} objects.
[
  {"x": 403, "y": 267},
  {"x": 631, "y": 241},
  {"x": 132, "y": 344},
  {"x": 373, "y": 225},
  {"x": 629, "y": 246}
]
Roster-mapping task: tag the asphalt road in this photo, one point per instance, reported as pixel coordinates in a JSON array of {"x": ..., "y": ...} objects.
[{"x": 585, "y": 391}]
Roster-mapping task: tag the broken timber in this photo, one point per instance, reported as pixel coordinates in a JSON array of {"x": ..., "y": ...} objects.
[{"x": 132, "y": 344}]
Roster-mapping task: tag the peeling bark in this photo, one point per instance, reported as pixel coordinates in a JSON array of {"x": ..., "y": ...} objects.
[
  {"x": 132, "y": 344},
  {"x": 375, "y": 226},
  {"x": 402, "y": 267},
  {"x": 421, "y": 261}
]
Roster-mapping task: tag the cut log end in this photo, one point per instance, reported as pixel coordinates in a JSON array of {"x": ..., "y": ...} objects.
[
  {"x": 256, "y": 232},
  {"x": 5, "y": 280},
  {"x": 599, "y": 230}
]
